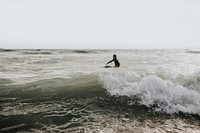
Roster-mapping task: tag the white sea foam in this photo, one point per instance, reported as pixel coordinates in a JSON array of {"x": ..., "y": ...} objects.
[{"x": 169, "y": 97}]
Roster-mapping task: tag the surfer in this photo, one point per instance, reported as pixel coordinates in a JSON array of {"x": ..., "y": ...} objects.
[{"x": 117, "y": 64}]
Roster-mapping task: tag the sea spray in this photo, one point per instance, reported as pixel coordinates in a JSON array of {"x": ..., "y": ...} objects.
[{"x": 152, "y": 90}]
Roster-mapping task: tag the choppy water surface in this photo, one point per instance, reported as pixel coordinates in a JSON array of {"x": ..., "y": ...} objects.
[{"x": 71, "y": 91}]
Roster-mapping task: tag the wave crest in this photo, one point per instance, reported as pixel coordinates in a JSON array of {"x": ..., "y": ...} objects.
[{"x": 152, "y": 90}]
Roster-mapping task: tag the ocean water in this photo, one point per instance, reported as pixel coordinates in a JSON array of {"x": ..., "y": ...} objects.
[{"x": 71, "y": 91}]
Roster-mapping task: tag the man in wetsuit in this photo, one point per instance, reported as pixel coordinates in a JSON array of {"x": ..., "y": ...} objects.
[{"x": 117, "y": 64}]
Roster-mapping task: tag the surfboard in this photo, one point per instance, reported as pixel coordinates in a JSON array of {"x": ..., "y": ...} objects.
[{"x": 107, "y": 66}]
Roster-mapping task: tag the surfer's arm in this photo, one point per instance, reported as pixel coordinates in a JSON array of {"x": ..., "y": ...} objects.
[{"x": 110, "y": 61}]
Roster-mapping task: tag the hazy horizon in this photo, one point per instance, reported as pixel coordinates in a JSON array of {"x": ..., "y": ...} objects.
[
  {"x": 105, "y": 24},
  {"x": 5, "y": 48}
]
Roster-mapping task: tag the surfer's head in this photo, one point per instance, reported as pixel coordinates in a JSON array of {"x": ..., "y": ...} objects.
[{"x": 114, "y": 56}]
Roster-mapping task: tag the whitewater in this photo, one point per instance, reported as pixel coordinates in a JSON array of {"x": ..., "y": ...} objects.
[{"x": 58, "y": 90}]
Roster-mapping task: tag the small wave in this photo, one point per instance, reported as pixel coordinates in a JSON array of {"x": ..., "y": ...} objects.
[
  {"x": 5, "y": 81},
  {"x": 194, "y": 51},
  {"x": 47, "y": 61},
  {"x": 83, "y": 86},
  {"x": 37, "y": 52},
  {"x": 82, "y": 51},
  {"x": 7, "y": 50},
  {"x": 164, "y": 95}
]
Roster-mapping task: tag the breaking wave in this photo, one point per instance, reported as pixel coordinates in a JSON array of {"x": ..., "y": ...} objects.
[
  {"x": 163, "y": 95},
  {"x": 151, "y": 91}
]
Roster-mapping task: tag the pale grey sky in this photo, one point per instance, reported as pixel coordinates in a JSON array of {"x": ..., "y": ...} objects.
[{"x": 100, "y": 24}]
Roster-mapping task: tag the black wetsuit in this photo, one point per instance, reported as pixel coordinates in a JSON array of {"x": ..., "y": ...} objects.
[{"x": 117, "y": 64}]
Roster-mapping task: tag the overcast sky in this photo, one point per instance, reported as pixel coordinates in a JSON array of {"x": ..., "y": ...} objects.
[{"x": 115, "y": 24}]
